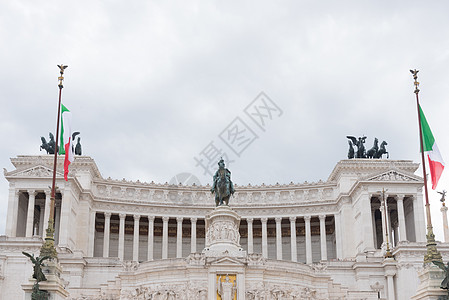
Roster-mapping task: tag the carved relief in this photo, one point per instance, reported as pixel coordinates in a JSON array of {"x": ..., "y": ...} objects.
[
  {"x": 186, "y": 291},
  {"x": 222, "y": 231},
  {"x": 392, "y": 176}
]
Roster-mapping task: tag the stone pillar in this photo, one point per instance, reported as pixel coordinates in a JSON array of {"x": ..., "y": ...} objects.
[
  {"x": 390, "y": 270},
  {"x": 11, "y": 217},
  {"x": 401, "y": 218},
  {"x": 384, "y": 229},
  {"x": 373, "y": 218},
  {"x": 366, "y": 222},
  {"x": 150, "y": 237},
  {"x": 264, "y": 237},
  {"x": 193, "y": 235},
  {"x": 107, "y": 231},
  {"x": 58, "y": 224},
  {"x": 30, "y": 213},
  {"x": 278, "y": 238},
  {"x": 445, "y": 226},
  {"x": 293, "y": 239},
  {"x": 121, "y": 237},
  {"x": 136, "y": 238},
  {"x": 91, "y": 239},
  {"x": 418, "y": 213},
  {"x": 323, "y": 239},
  {"x": 165, "y": 237},
  {"x": 249, "y": 221},
  {"x": 41, "y": 220},
  {"x": 308, "y": 240},
  {"x": 47, "y": 211},
  {"x": 338, "y": 236},
  {"x": 179, "y": 237}
]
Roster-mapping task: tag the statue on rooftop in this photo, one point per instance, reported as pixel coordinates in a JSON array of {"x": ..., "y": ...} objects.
[
  {"x": 50, "y": 146},
  {"x": 360, "y": 146},
  {"x": 222, "y": 185}
]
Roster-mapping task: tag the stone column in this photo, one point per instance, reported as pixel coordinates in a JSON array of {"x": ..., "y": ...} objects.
[
  {"x": 91, "y": 239},
  {"x": 278, "y": 238},
  {"x": 323, "y": 239},
  {"x": 293, "y": 239},
  {"x": 384, "y": 229},
  {"x": 390, "y": 271},
  {"x": 30, "y": 213},
  {"x": 179, "y": 237},
  {"x": 418, "y": 213},
  {"x": 373, "y": 218},
  {"x": 366, "y": 222},
  {"x": 58, "y": 224},
  {"x": 136, "y": 237},
  {"x": 46, "y": 211},
  {"x": 401, "y": 218},
  {"x": 165, "y": 237},
  {"x": 11, "y": 216},
  {"x": 338, "y": 244},
  {"x": 41, "y": 220},
  {"x": 308, "y": 240},
  {"x": 193, "y": 235},
  {"x": 121, "y": 237},
  {"x": 264, "y": 237},
  {"x": 250, "y": 235},
  {"x": 107, "y": 231},
  {"x": 445, "y": 226},
  {"x": 150, "y": 237}
]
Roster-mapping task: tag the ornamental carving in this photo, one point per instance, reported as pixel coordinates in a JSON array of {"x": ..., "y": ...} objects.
[
  {"x": 38, "y": 171},
  {"x": 222, "y": 231},
  {"x": 392, "y": 176},
  {"x": 186, "y": 291},
  {"x": 281, "y": 291}
]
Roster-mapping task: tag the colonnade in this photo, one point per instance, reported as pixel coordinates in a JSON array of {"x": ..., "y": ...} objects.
[{"x": 249, "y": 234}]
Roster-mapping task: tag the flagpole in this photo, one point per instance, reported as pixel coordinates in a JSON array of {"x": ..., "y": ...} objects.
[
  {"x": 48, "y": 248},
  {"x": 432, "y": 252}
]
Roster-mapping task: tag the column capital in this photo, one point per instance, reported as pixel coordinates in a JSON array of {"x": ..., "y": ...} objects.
[
  {"x": 400, "y": 197},
  {"x": 307, "y": 218},
  {"x": 278, "y": 219},
  {"x": 165, "y": 219},
  {"x": 322, "y": 217},
  {"x": 443, "y": 208},
  {"x": 264, "y": 220},
  {"x": 249, "y": 220},
  {"x": 179, "y": 219},
  {"x": 193, "y": 219},
  {"x": 32, "y": 192},
  {"x": 107, "y": 215},
  {"x": 150, "y": 218},
  {"x": 122, "y": 216},
  {"x": 292, "y": 219},
  {"x": 136, "y": 217}
]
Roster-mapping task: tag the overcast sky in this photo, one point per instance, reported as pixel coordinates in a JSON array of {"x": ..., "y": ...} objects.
[{"x": 152, "y": 83}]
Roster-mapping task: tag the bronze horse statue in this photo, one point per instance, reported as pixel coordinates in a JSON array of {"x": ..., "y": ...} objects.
[
  {"x": 382, "y": 151},
  {"x": 50, "y": 146},
  {"x": 373, "y": 151},
  {"x": 222, "y": 186}
]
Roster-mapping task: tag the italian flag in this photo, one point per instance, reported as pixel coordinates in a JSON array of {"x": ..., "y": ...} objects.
[
  {"x": 66, "y": 139},
  {"x": 436, "y": 163}
]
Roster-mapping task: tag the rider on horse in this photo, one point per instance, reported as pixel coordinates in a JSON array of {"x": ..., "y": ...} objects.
[{"x": 222, "y": 186}]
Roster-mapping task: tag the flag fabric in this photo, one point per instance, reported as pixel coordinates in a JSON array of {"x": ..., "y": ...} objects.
[
  {"x": 66, "y": 139},
  {"x": 436, "y": 163}
]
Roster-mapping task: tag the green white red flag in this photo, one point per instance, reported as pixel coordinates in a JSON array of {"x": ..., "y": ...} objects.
[
  {"x": 66, "y": 139},
  {"x": 436, "y": 163}
]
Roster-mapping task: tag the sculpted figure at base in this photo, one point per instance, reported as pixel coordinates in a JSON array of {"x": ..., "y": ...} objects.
[
  {"x": 222, "y": 185},
  {"x": 226, "y": 289}
]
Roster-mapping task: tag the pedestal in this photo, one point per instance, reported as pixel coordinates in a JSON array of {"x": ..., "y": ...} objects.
[
  {"x": 222, "y": 233},
  {"x": 53, "y": 284},
  {"x": 429, "y": 288}
]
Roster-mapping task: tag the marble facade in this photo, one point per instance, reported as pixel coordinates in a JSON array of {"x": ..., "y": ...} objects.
[{"x": 119, "y": 239}]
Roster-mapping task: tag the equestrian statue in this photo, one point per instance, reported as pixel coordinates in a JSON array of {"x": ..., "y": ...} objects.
[
  {"x": 374, "y": 152},
  {"x": 222, "y": 185}
]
